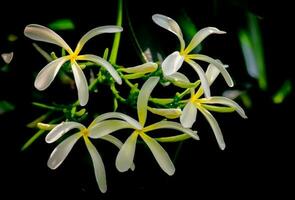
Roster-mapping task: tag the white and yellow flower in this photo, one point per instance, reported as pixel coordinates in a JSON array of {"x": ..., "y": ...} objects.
[
  {"x": 196, "y": 103},
  {"x": 174, "y": 61},
  {"x": 126, "y": 154},
  {"x": 48, "y": 73},
  {"x": 63, "y": 149}
]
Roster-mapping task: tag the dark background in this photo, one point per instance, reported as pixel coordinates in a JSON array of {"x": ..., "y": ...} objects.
[{"x": 257, "y": 160}]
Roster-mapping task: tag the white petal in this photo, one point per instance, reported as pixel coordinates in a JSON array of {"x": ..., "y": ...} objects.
[
  {"x": 117, "y": 143},
  {"x": 200, "y": 36},
  {"x": 125, "y": 156},
  {"x": 44, "y": 34},
  {"x": 170, "y": 113},
  {"x": 215, "y": 127},
  {"x": 62, "y": 150},
  {"x": 189, "y": 114},
  {"x": 202, "y": 76},
  {"x": 218, "y": 65},
  {"x": 7, "y": 57},
  {"x": 99, "y": 170},
  {"x": 212, "y": 72},
  {"x": 170, "y": 25},
  {"x": 225, "y": 101},
  {"x": 94, "y": 32},
  {"x": 172, "y": 63},
  {"x": 160, "y": 154},
  {"x": 81, "y": 84},
  {"x": 143, "y": 97},
  {"x": 177, "y": 76},
  {"x": 144, "y": 68},
  {"x": 172, "y": 125},
  {"x": 106, "y": 127},
  {"x": 48, "y": 73},
  {"x": 100, "y": 61},
  {"x": 116, "y": 115},
  {"x": 61, "y": 129}
]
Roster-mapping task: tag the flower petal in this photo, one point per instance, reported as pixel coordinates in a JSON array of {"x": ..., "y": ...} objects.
[
  {"x": 189, "y": 114},
  {"x": 116, "y": 115},
  {"x": 202, "y": 76},
  {"x": 143, "y": 97},
  {"x": 200, "y": 36},
  {"x": 106, "y": 127},
  {"x": 225, "y": 101},
  {"x": 170, "y": 113},
  {"x": 125, "y": 156},
  {"x": 61, "y": 129},
  {"x": 144, "y": 68},
  {"x": 170, "y": 25},
  {"x": 171, "y": 125},
  {"x": 94, "y": 32},
  {"x": 180, "y": 80},
  {"x": 81, "y": 84},
  {"x": 172, "y": 63},
  {"x": 100, "y": 61},
  {"x": 7, "y": 57},
  {"x": 99, "y": 170},
  {"x": 44, "y": 34},
  {"x": 117, "y": 143},
  {"x": 218, "y": 65},
  {"x": 215, "y": 127},
  {"x": 62, "y": 150},
  {"x": 48, "y": 73},
  {"x": 160, "y": 154},
  {"x": 212, "y": 72}
]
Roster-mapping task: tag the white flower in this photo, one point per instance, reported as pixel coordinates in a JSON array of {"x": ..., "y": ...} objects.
[
  {"x": 126, "y": 154},
  {"x": 7, "y": 57},
  {"x": 196, "y": 103},
  {"x": 174, "y": 61},
  {"x": 48, "y": 73},
  {"x": 63, "y": 149}
]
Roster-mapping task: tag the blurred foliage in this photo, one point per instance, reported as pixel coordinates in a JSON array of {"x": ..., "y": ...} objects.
[{"x": 62, "y": 24}]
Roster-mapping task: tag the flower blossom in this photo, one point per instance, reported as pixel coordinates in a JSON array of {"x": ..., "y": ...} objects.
[
  {"x": 63, "y": 149},
  {"x": 126, "y": 154},
  {"x": 174, "y": 61},
  {"x": 196, "y": 103},
  {"x": 48, "y": 73}
]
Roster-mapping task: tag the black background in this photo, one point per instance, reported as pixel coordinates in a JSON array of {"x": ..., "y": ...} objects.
[{"x": 259, "y": 153}]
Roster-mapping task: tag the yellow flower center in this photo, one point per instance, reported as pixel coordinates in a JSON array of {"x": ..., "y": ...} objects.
[
  {"x": 85, "y": 132},
  {"x": 73, "y": 57}
]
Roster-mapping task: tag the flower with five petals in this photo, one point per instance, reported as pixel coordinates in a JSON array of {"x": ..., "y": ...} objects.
[
  {"x": 63, "y": 149},
  {"x": 195, "y": 103},
  {"x": 125, "y": 156},
  {"x": 174, "y": 61},
  {"x": 48, "y": 73}
]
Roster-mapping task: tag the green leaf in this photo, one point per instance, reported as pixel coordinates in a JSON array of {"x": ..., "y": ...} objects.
[
  {"x": 283, "y": 92},
  {"x": 62, "y": 24},
  {"x": 6, "y": 106}
]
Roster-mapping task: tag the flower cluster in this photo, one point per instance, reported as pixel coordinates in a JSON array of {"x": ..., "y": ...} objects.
[{"x": 178, "y": 113}]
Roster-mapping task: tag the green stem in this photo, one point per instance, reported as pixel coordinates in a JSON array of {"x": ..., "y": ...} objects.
[
  {"x": 38, "y": 134},
  {"x": 40, "y": 105},
  {"x": 116, "y": 94},
  {"x": 114, "y": 53}
]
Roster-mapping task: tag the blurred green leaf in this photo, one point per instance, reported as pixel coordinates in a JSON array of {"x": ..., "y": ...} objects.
[
  {"x": 62, "y": 24},
  {"x": 6, "y": 106},
  {"x": 283, "y": 92},
  {"x": 12, "y": 38}
]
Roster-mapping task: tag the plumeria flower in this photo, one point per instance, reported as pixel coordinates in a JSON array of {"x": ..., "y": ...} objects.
[
  {"x": 174, "y": 61},
  {"x": 48, "y": 73},
  {"x": 63, "y": 149},
  {"x": 126, "y": 154},
  {"x": 196, "y": 103}
]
